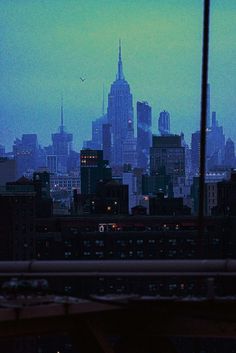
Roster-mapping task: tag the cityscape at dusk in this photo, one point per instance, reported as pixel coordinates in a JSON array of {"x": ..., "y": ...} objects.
[
  {"x": 117, "y": 176},
  {"x": 46, "y": 47}
]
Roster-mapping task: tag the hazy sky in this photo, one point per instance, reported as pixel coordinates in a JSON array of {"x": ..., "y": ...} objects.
[{"x": 46, "y": 45}]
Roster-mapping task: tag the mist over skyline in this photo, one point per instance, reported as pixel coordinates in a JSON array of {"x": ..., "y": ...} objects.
[{"x": 46, "y": 46}]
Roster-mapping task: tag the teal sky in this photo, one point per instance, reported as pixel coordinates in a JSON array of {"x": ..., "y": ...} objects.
[{"x": 46, "y": 45}]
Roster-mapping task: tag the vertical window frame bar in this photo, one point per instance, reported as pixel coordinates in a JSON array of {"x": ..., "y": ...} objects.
[{"x": 205, "y": 56}]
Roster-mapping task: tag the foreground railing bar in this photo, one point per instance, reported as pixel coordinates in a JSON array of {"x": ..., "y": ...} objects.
[
  {"x": 117, "y": 274},
  {"x": 118, "y": 266}
]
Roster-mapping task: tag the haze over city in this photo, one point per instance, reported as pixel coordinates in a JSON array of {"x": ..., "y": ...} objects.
[{"x": 46, "y": 46}]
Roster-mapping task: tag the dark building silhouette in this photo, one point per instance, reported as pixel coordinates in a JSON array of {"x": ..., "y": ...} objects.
[
  {"x": 148, "y": 237},
  {"x": 106, "y": 142},
  {"x": 226, "y": 197},
  {"x": 152, "y": 184},
  {"x": 44, "y": 204},
  {"x": 2, "y": 151},
  {"x": 26, "y": 153},
  {"x": 120, "y": 115},
  {"x": 7, "y": 170},
  {"x": 144, "y": 134},
  {"x": 167, "y": 156},
  {"x": 139, "y": 210},
  {"x": 21, "y": 202},
  {"x": 93, "y": 168},
  {"x": 17, "y": 221},
  {"x": 164, "y": 123},
  {"x": 110, "y": 198},
  {"x": 162, "y": 206},
  {"x": 195, "y": 152}
]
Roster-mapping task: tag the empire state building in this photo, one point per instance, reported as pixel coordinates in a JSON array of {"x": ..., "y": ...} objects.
[{"x": 120, "y": 117}]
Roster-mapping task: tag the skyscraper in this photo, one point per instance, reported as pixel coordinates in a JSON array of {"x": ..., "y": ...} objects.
[
  {"x": 61, "y": 145},
  {"x": 164, "y": 123},
  {"x": 93, "y": 168},
  {"x": 106, "y": 141},
  {"x": 215, "y": 144},
  {"x": 26, "y": 152},
  {"x": 195, "y": 152},
  {"x": 167, "y": 157},
  {"x": 144, "y": 133},
  {"x": 120, "y": 115},
  {"x": 230, "y": 160},
  {"x": 2, "y": 151}
]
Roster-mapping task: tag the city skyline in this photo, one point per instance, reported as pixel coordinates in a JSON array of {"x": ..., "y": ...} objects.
[{"x": 161, "y": 45}]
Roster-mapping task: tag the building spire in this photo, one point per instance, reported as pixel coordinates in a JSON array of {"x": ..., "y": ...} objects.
[
  {"x": 62, "y": 115},
  {"x": 120, "y": 75}
]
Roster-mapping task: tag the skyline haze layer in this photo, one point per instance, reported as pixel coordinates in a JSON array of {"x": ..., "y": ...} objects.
[{"x": 46, "y": 46}]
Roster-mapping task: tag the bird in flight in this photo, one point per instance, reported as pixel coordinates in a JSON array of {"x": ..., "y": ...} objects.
[{"x": 82, "y": 79}]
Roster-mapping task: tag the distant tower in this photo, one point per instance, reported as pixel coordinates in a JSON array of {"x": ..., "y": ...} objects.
[
  {"x": 97, "y": 142},
  {"x": 195, "y": 152},
  {"x": 164, "y": 123},
  {"x": 229, "y": 154},
  {"x": 120, "y": 114},
  {"x": 144, "y": 134},
  {"x": 215, "y": 144},
  {"x": 62, "y": 144},
  {"x": 213, "y": 120}
]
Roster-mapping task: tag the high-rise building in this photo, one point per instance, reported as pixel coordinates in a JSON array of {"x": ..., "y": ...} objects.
[
  {"x": 167, "y": 157},
  {"x": 129, "y": 178},
  {"x": 164, "y": 123},
  {"x": 2, "y": 151},
  {"x": 97, "y": 135},
  {"x": 93, "y": 168},
  {"x": 215, "y": 145},
  {"x": 17, "y": 221},
  {"x": 97, "y": 130},
  {"x": 106, "y": 141},
  {"x": 62, "y": 145},
  {"x": 120, "y": 115},
  {"x": 144, "y": 134},
  {"x": 26, "y": 152},
  {"x": 230, "y": 160},
  {"x": 226, "y": 196},
  {"x": 130, "y": 148},
  {"x": 7, "y": 170},
  {"x": 41, "y": 180}
]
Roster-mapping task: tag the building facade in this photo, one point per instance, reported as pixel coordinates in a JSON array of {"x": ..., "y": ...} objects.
[
  {"x": 167, "y": 157},
  {"x": 93, "y": 168},
  {"x": 144, "y": 134},
  {"x": 164, "y": 123},
  {"x": 120, "y": 115}
]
